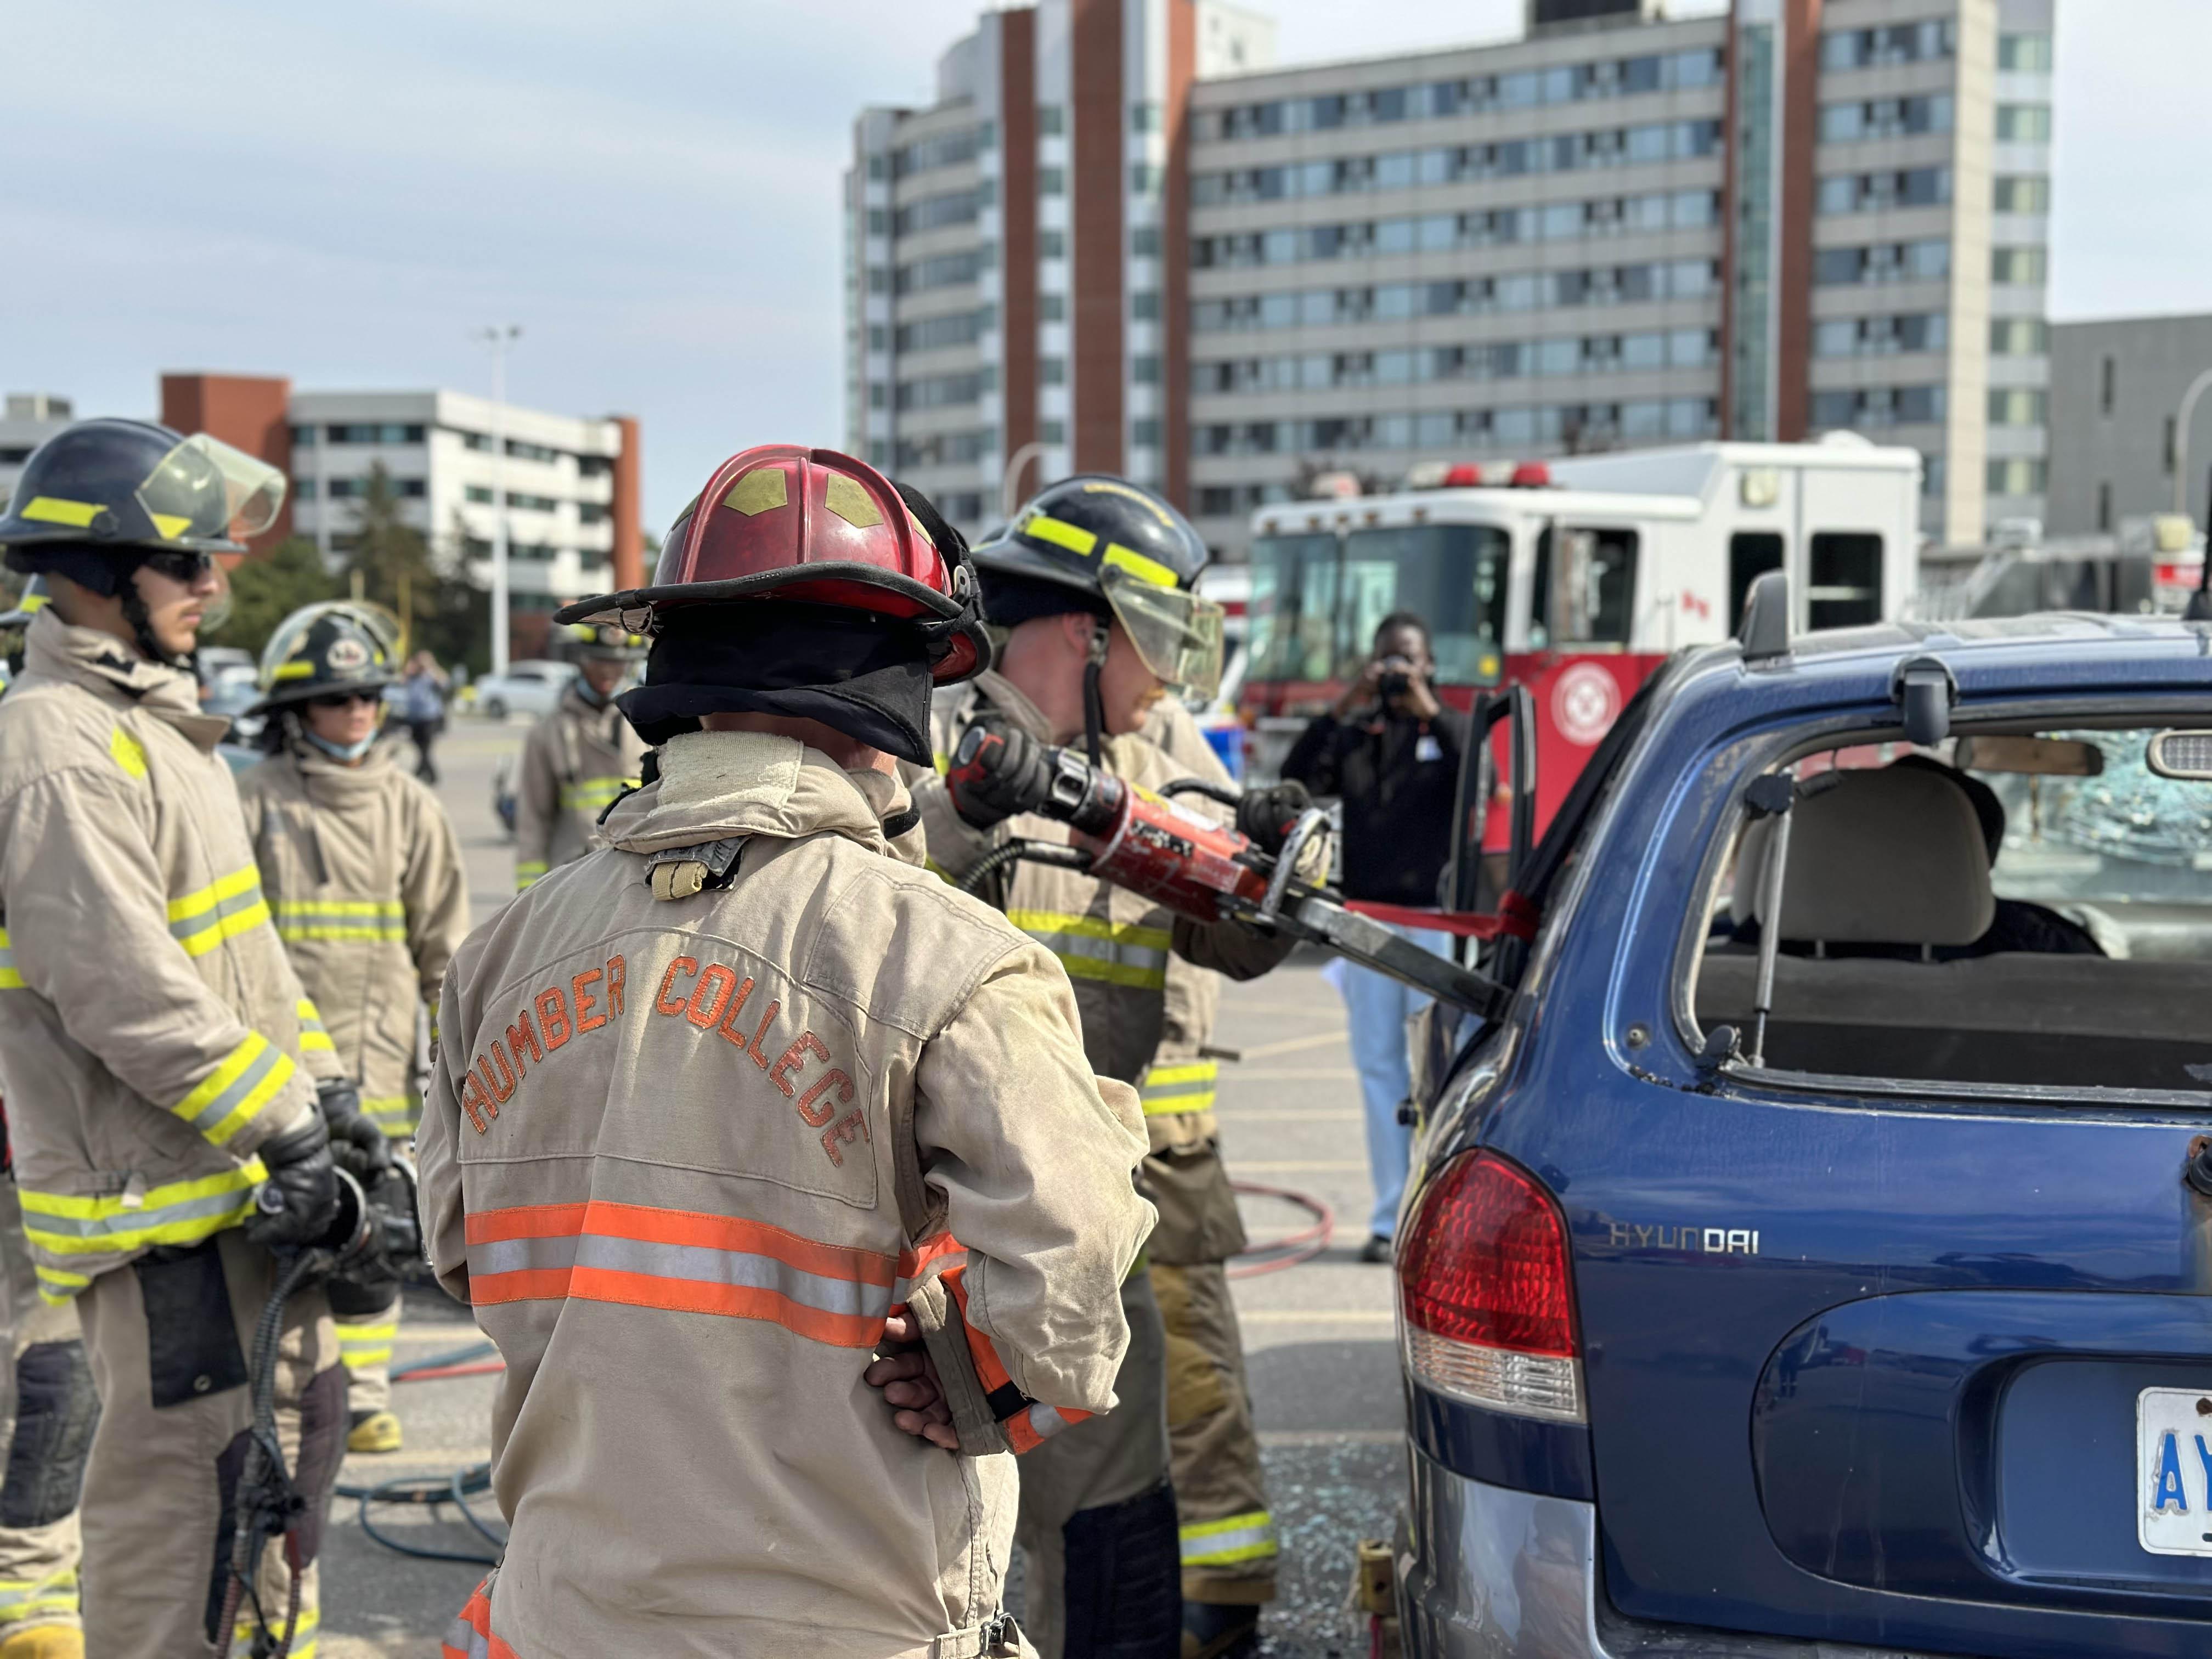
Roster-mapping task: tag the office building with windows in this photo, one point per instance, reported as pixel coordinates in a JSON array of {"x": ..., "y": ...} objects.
[
  {"x": 570, "y": 485},
  {"x": 2117, "y": 389},
  {"x": 1616, "y": 231},
  {"x": 29, "y": 419}
]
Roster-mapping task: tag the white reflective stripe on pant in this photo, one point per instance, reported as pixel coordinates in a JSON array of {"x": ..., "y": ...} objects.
[
  {"x": 1119, "y": 953},
  {"x": 1184, "y": 1086},
  {"x": 1250, "y": 1537}
]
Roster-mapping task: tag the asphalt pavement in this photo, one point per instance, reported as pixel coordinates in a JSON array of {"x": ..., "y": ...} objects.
[{"x": 1317, "y": 1337}]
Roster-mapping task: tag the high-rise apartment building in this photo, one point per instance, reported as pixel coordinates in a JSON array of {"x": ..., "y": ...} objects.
[{"x": 1123, "y": 239}]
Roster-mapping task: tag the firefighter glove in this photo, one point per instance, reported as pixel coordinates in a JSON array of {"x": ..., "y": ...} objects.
[
  {"x": 299, "y": 1199},
  {"x": 358, "y": 1146},
  {"x": 997, "y": 771},
  {"x": 1267, "y": 815}
]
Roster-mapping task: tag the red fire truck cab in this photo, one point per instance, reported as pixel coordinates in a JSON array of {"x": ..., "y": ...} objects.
[{"x": 1574, "y": 581}]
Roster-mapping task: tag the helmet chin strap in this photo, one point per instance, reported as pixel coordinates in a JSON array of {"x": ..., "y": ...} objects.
[
  {"x": 141, "y": 625},
  {"x": 1094, "y": 702}
]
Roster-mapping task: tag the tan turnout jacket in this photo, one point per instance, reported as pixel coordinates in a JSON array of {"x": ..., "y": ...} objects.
[
  {"x": 576, "y": 761},
  {"x": 687, "y": 1145},
  {"x": 363, "y": 873},
  {"x": 152, "y": 1033},
  {"x": 1115, "y": 944}
]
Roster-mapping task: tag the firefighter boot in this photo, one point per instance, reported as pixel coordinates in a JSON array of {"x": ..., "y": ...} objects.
[
  {"x": 1215, "y": 1630},
  {"x": 44, "y": 1642},
  {"x": 372, "y": 1431}
]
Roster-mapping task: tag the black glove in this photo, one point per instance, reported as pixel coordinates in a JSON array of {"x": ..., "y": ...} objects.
[
  {"x": 298, "y": 1202},
  {"x": 997, "y": 770},
  {"x": 1267, "y": 815},
  {"x": 357, "y": 1143}
]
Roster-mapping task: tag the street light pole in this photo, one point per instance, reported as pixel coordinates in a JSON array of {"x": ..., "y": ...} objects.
[
  {"x": 2181, "y": 419},
  {"x": 497, "y": 340}
]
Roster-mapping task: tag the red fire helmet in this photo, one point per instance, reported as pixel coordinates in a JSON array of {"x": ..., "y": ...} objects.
[{"x": 782, "y": 521}]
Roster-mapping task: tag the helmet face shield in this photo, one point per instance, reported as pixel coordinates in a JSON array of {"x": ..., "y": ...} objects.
[
  {"x": 1176, "y": 633},
  {"x": 202, "y": 489},
  {"x": 360, "y": 652}
]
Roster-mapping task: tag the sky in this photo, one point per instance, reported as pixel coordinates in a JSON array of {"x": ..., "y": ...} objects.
[{"x": 343, "y": 194}]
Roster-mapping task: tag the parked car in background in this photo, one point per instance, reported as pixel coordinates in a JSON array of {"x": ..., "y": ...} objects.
[
  {"x": 221, "y": 664},
  {"x": 531, "y": 687},
  {"x": 1816, "y": 1257}
]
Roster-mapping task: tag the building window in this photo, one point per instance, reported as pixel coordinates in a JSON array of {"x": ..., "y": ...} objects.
[
  {"x": 2023, "y": 193},
  {"x": 879, "y": 223},
  {"x": 374, "y": 433},
  {"x": 1886, "y": 117},
  {"x": 301, "y": 435},
  {"x": 2023, "y": 265},
  {"x": 2104, "y": 507},
  {"x": 591, "y": 512},
  {"x": 1052, "y": 181},
  {"x": 2024, "y": 54},
  {"x": 1052, "y": 432},
  {"x": 878, "y": 395},
  {"x": 1882, "y": 192},
  {"x": 946, "y": 149},
  {"x": 1145, "y": 305},
  {"x": 533, "y": 503},
  {"x": 1144, "y": 242},
  {"x": 479, "y": 494},
  {"x": 1146, "y": 434},
  {"x": 1052, "y": 245},
  {"x": 2023, "y": 123},
  {"x": 2109, "y": 385},
  {"x": 1896, "y": 43},
  {"x": 2018, "y": 337},
  {"x": 1052, "y": 371},
  {"x": 2016, "y": 477},
  {"x": 1144, "y": 118},
  {"x": 878, "y": 338},
  {"x": 1052, "y": 307},
  {"x": 1050, "y": 120},
  {"x": 1144, "y": 371},
  {"x": 987, "y": 136},
  {"x": 2016, "y": 406}
]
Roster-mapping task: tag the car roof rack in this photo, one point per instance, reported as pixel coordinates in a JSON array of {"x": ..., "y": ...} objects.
[{"x": 1764, "y": 633}]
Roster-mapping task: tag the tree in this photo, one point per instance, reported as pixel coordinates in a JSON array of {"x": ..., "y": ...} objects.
[
  {"x": 444, "y": 615},
  {"x": 264, "y": 591}
]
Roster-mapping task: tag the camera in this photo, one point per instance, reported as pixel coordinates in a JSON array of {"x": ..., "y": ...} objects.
[{"x": 1396, "y": 678}]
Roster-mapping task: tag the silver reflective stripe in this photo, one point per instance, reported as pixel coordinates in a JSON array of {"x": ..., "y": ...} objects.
[
  {"x": 265, "y": 1062},
  {"x": 464, "y": 1638},
  {"x": 694, "y": 1263},
  {"x": 1084, "y": 947},
  {"x": 225, "y": 1203},
  {"x": 1046, "y": 1420},
  {"x": 1247, "y": 1537}
]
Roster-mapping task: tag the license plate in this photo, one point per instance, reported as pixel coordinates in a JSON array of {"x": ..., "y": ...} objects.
[{"x": 2174, "y": 1471}]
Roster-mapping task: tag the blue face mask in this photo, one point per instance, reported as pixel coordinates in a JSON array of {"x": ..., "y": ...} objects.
[{"x": 345, "y": 753}]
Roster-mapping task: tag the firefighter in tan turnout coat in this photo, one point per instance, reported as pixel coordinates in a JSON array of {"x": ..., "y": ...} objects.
[
  {"x": 158, "y": 1051},
  {"x": 362, "y": 873},
  {"x": 728, "y": 1113},
  {"x": 1093, "y": 580},
  {"x": 579, "y": 758}
]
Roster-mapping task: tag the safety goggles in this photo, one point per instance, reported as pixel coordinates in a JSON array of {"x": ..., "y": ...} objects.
[
  {"x": 180, "y": 565},
  {"x": 1176, "y": 633}
]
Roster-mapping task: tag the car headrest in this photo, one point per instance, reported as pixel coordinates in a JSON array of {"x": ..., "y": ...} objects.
[{"x": 1890, "y": 857}]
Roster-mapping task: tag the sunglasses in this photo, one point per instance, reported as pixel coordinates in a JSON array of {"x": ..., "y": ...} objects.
[
  {"x": 179, "y": 565},
  {"x": 344, "y": 699}
]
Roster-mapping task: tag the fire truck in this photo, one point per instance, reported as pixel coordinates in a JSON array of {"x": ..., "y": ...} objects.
[{"x": 1573, "y": 578}]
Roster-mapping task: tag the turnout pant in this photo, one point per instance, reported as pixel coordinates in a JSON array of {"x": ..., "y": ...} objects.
[
  {"x": 365, "y": 1335},
  {"x": 1097, "y": 1523},
  {"x": 1226, "y": 1531},
  {"x": 50, "y": 1411},
  {"x": 171, "y": 1338}
]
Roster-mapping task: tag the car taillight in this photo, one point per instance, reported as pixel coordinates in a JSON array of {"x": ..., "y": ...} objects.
[{"x": 1485, "y": 1306}]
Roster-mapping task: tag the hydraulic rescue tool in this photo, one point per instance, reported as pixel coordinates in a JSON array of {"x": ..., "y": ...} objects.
[{"x": 1184, "y": 860}]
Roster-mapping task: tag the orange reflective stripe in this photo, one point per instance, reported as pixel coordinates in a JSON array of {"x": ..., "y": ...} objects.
[
  {"x": 1027, "y": 1429},
  {"x": 470, "y": 1636},
  {"x": 681, "y": 1260},
  {"x": 988, "y": 1366}
]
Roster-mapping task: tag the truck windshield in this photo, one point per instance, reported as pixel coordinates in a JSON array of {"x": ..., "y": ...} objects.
[
  {"x": 1295, "y": 627},
  {"x": 1452, "y": 576}
]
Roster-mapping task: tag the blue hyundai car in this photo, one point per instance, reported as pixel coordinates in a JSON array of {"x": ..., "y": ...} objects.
[{"x": 1816, "y": 1257}]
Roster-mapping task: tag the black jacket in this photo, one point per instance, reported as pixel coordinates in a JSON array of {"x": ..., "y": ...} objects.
[{"x": 1398, "y": 777}]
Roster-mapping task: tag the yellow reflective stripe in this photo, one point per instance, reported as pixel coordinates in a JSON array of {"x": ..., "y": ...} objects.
[
  {"x": 394, "y": 1113},
  {"x": 224, "y": 909},
  {"x": 1151, "y": 571},
  {"x": 365, "y": 1344},
  {"x": 23, "y": 1598},
  {"x": 314, "y": 1035},
  {"x": 340, "y": 908},
  {"x": 1170, "y": 1090},
  {"x": 230, "y": 1096},
  {"x": 53, "y": 509},
  {"x": 128, "y": 752},
  {"x": 181, "y": 1212},
  {"x": 943, "y": 762},
  {"x": 527, "y": 870},
  {"x": 34, "y": 602},
  {"x": 1246, "y": 1537},
  {"x": 169, "y": 526},
  {"x": 10, "y": 979},
  {"x": 1060, "y": 533},
  {"x": 294, "y": 671},
  {"x": 247, "y": 1631},
  {"x": 1114, "y": 953},
  {"x": 58, "y": 1284},
  {"x": 585, "y": 793},
  {"x": 1121, "y": 933},
  {"x": 338, "y": 933}
]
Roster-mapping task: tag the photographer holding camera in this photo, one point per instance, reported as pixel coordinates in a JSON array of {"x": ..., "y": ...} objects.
[{"x": 1390, "y": 749}]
